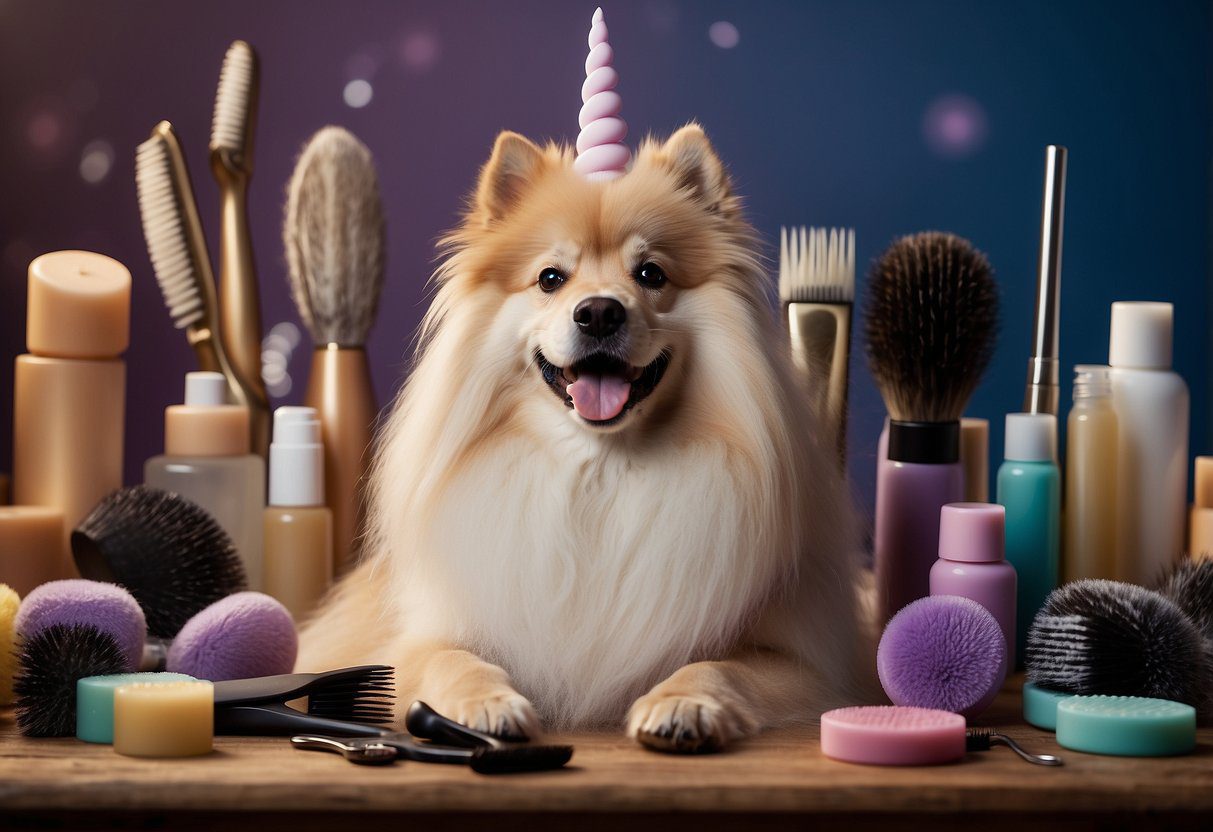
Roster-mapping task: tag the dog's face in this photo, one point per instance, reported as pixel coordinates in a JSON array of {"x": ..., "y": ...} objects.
[{"x": 604, "y": 289}]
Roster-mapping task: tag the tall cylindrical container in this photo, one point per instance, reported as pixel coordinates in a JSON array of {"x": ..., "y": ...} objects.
[
  {"x": 206, "y": 459},
  {"x": 1091, "y": 451},
  {"x": 298, "y": 525},
  {"x": 1029, "y": 487},
  {"x": 918, "y": 473},
  {"x": 1200, "y": 519},
  {"x": 1151, "y": 404},
  {"x": 69, "y": 396},
  {"x": 972, "y": 542}
]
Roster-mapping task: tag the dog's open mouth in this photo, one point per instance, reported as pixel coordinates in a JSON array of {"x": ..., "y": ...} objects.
[{"x": 602, "y": 387}]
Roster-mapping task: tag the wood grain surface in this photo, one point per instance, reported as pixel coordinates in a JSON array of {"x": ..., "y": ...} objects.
[{"x": 769, "y": 782}]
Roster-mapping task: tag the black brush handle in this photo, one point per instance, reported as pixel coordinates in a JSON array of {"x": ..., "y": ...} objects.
[
  {"x": 277, "y": 720},
  {"x": 423, "y": 721}
]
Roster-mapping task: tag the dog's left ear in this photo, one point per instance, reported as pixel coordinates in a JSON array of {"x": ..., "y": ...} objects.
[
  {"x": 515, "y": 163},
  {"x": 694, "y": 162}
]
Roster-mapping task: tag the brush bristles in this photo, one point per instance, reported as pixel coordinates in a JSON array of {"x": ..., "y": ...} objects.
[
  {"x": 334, "y": 238},
  {"x": 169, "y": 552},
  {"x": 1190, "y": 586},
  {"x": 817, "y": 265},
  {"x": 164, "y": 230},
  {"x": 931, "y": 322},
  {"x": 229, "y": 125},
  {"x": 1103, "y": 637},
  {"x": 51, "y": 662}
]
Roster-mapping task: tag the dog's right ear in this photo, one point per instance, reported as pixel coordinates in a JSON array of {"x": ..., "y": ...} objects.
[{"x": 515, "y": 162}]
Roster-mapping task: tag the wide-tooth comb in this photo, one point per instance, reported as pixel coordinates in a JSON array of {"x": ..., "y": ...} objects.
[
  {"x": 234, "y": 103},
  {"x": 367, "y": 688},
  {"x": 817, "y": 265}
]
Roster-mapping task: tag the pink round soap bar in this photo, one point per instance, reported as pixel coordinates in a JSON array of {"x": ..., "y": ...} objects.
[{"x": 892, "y": 735}]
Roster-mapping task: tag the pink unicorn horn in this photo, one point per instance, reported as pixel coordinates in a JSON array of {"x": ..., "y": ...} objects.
[{"x": 601, "y": 153}]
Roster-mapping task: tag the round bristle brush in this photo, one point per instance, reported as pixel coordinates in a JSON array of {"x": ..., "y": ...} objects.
[
  {"x": 106, "y": 607},
  {"x": 50, "y": 663},
  {"x": 931, "y": 319},
  {"x": 1190, "y": 586},
  {"x": 333, "y": 234},
  {"x": 168, "y": 551},
  {"x": 1104, "y": 637},
  {"x": 239, "y": 637}
]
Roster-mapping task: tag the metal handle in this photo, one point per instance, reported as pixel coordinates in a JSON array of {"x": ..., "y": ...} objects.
[
  {"x": 1041, "y": 395},
  {"x": 363, "y": 753},
  {"x": 1035, "y": 759}
]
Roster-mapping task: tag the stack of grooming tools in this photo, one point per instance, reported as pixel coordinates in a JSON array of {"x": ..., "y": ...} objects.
[
  {"x": 178, "y": 249},
  {"x": 817, "y": 290},
  {"x": 931, "y": 320},
  {"x": 432, "y": 738},
  {"x": 333, "y": 233}
]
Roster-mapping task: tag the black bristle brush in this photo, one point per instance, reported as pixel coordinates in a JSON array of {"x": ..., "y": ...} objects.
[
  {"x": 1105, "y": 637},
  {"x": 168, "y": 551},
  {"x": 49, "y": 665},
  {"x": 931, "y": 319},
  {"x": 1190, "y": 586}
]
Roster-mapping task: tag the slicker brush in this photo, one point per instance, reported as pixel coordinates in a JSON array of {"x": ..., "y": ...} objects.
[
  {"x": 1105, "y": 637},
  {"x": 169, "y": 552},
  {"x": 930, "y": 325},
  {"x": 50, "y": 663},
  {"x": 333, "y": 234}
]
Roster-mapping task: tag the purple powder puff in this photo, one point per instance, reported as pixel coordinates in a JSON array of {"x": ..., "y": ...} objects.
[
  {"x": 943, "y": 652},
  {"x": 239, "y": 637},
  {"x": 107, "y": 607}
]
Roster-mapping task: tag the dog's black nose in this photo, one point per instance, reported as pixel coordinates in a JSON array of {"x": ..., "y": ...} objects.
[{"x": 599, "y": 317}]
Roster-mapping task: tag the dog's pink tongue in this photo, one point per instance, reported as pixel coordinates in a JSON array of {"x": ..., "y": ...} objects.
[{"x": 599, "y": 398}]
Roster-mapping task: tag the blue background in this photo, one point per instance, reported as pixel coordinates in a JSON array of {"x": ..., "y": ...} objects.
[{"x": 820, "y": 109}]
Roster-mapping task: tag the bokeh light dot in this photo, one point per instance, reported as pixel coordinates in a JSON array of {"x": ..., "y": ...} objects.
[
  {"x": 420, "y": 50},
  {"x": 358, "y": 93},
  {"x": 724, "y": 34},
  {"x": 44, "y": 130},
  {"x": 96, "y": 161},
  {"x": 955, "y": 126}
]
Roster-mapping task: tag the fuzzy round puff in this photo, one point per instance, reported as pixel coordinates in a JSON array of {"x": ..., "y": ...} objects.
[
  {"x": 107, "y": 607},
  {"x": 242, "y": 636},
  {"x": 943, "y": 652},
  {"x": 9, "y": 603}
]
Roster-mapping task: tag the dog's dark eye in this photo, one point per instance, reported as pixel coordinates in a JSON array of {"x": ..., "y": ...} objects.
[
  {"x": 551, "y": 279},
  {"x": 650, "y": 275}
]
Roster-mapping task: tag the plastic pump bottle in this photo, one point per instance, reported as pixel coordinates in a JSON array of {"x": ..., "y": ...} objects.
[
  {"x": 206, "y": 459},
  {"x": 1029, "y": 487},
  {"x": 298, "y": 524},
  {"x": 1151, "y": 403},
  {"x": 1090, "y": 517}
]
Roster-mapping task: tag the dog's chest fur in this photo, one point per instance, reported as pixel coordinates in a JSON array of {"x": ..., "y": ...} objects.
[{"x": 589, "y": 576}]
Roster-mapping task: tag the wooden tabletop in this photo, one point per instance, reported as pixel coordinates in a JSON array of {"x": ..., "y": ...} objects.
[{"x": 773, "y": 781}]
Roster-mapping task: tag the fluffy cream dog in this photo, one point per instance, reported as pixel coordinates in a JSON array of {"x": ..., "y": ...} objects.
[{"x": 599, "y": 496}]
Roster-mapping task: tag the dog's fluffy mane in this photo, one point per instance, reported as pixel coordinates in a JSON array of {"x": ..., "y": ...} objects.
[{"x": 590, "y": 566}]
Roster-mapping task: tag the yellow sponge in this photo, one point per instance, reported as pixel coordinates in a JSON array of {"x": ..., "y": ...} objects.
[{"x": 9, "y": 601}]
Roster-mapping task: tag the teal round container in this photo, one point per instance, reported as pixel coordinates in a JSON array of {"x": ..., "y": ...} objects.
[
  {"x": 1040, "y": 705},
  {"x": 95, "y": 701},
  {"x": 1126, "y": 726}
]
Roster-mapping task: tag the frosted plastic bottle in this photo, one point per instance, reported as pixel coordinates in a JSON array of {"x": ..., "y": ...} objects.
[
  {"x": 1200, "y": 519},
  {"x": 206, "y": 459},
  {"x": 1090, "y": 516},
  {"x": 972, "y": 539},
  {"x": 1151, "y": 404},
  {"x": 1029, "y": 487},
  {"x": 298, "y": 525}
]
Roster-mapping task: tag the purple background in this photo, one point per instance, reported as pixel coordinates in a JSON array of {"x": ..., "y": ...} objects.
[{"x": 888, "y": 116}]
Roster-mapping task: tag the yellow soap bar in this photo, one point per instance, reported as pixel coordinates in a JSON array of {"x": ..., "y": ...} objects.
[{"x": 175, "y": 719}]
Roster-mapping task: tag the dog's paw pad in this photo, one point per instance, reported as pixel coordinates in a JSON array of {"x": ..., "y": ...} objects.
[
  {"x": 681, "y": 724},
  {"x": 508, "y": 715}
]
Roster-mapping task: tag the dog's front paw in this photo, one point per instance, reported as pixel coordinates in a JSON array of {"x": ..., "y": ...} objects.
[
  {"x": 682, "y": 724},
  {"x": 507, "y": 714}
]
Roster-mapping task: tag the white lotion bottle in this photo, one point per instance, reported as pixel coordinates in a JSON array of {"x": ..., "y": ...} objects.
[
  {"x": 1151, "y": 404},
  {"x": 207, "y": 460}
]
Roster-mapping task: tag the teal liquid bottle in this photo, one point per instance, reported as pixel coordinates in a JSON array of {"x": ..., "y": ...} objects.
[{"x": 1029, "y": 488}]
